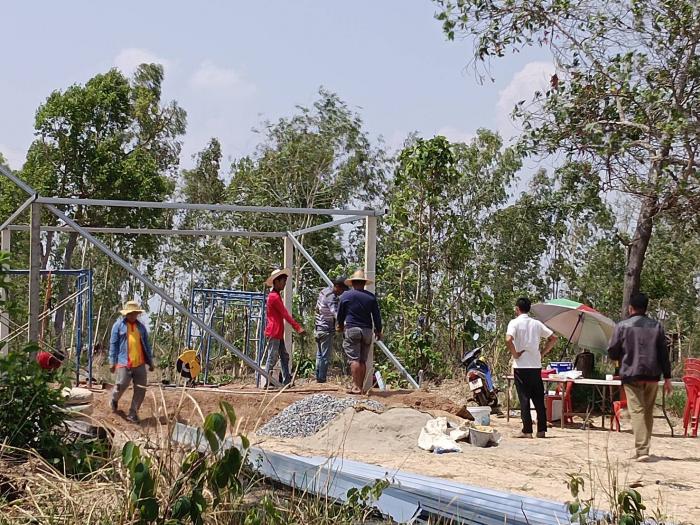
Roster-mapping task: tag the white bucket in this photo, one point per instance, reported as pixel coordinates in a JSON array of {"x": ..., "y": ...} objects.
[
  {"x": 479, "y": 438},
  {"x": 482, "y": 415}
]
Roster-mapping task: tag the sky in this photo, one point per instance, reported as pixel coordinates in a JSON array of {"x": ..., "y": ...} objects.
[{"x": 232, "y": 64}]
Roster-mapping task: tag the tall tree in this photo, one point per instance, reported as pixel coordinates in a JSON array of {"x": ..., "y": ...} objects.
[
  {"x": 321, "y": 157},
  {"x": 625, "y": 97},
  {"x": 439, "y": 198},
  {"x": 112, "y": 139}
]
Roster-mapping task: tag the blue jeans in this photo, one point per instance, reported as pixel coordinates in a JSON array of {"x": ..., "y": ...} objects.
[
  {"x": 277, "y": 350},
  {"x": 324, "y": 353}
]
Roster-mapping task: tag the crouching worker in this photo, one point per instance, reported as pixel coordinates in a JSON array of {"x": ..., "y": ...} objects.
[{"x": 129, "y": 353}]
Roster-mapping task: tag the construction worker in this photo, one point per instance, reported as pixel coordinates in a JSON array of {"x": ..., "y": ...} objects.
[
  {"x": 277, "y": 314},
  {"x": 326, "y": 313},
  {"x": 360, "y": 321},
  {"x": 129, "y": 354}
]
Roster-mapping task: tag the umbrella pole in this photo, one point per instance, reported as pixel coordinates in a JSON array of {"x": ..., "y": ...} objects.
[{"x": 568, "y": 342}]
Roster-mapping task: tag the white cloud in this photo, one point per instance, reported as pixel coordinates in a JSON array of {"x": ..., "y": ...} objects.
[
  {"x": 533, "y": 77},
  {"x": 130, "y": 58},
  {"x": 455, "y": 135},
  {"x": 13, "y": 156},
  {"x": 209, "y": 76}
]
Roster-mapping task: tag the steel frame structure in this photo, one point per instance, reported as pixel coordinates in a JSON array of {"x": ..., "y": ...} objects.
[
  {"x": 83, "y": 284},
  {"x": 36, "y": 203},
  {"x": 206, "y": 303}
]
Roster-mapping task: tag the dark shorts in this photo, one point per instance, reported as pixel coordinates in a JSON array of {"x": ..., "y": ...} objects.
[{"x": 357, "y": 343}]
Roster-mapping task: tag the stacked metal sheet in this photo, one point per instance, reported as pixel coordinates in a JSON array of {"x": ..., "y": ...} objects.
[{"x": 410, "y": 498}]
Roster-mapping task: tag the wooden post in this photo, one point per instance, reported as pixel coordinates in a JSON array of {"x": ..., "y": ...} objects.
[
  {"x": 288, "y": 294},
  {"x": 370, "y": 273},
  {"x": 5, "y": 246},
  {"x": 34, "y": 273}
]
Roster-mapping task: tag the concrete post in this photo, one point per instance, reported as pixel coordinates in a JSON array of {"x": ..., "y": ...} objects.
[
  {"x": 5, "y": 246},
  {"x": 34, "y": 273},
  {"x": 370, "y": 273}
]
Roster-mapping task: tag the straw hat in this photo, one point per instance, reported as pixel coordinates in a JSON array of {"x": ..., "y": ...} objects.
[
  {"x": 130, "y": 307},
  {"x": 277, "y": 273},
  {"x": 359, "y": 275}
]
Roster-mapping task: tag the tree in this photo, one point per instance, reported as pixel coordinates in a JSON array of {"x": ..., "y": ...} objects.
[
  {"x": 110, "y": 139},
  {"x": 321, "y": 157},
  {"x": 439, "y": 199},
  {"x": 624, "y": 100}
]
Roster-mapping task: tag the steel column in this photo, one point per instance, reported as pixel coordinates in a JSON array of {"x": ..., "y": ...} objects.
[
  {"x": 34, "y": 273},
  {"x": 288, "y": 299},
  {"x": 5, "y": 246},
  {"x": 370, "y": 273}
]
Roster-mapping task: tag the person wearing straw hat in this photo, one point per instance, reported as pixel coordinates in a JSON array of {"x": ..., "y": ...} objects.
[
  {"x": 359, "y": 319},
  {"x": 129, "y": 353},
  {"x": 277, "y": 314}
]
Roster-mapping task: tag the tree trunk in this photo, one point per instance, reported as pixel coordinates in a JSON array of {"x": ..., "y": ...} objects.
[
  {"x": 636, "y": 251},
  {"x": 63, "y": 290}
]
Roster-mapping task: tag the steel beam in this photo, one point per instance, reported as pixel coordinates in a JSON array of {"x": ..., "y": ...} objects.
[
  {"x": 154, "y": 231},
  {"x": 162, "y": 293},
  {"x": 18, "y": 182},
  {"x": 326, "y": 225},
  {"x": 34, "y": 273},
  {"x": 18, "y": 212},
  {"x": 204, "y": 207},
  {"x": 308, "y": 257}
]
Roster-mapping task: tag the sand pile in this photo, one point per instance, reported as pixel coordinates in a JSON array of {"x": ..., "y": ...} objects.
[{"x": 394, "y": 431}]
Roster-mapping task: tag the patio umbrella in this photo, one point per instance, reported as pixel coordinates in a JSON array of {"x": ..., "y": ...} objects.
[{"x": 580, "y": 324}]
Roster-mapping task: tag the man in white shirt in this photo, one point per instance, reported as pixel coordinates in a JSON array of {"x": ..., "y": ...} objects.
[{"x": 523, "y": 341}]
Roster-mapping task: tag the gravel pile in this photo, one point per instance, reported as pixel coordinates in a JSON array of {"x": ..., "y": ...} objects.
[{"x": 309, "y": 415}]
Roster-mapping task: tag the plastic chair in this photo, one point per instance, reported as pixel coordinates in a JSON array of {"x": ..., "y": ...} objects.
[
  {"x": 691, "y": 413},
  {"x": 617, "y": 407},
  {"x": 567, "y": 405},
  {"x": 692, "y": 367}
]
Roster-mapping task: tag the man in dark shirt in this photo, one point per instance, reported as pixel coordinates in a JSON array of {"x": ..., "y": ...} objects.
[
  {"x": 358, "y": 317},
  {"x": 639, "y": 344}
]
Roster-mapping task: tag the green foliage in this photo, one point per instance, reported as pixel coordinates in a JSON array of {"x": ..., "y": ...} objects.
[
  {"x": 579, "y": 510},
  {"x": 627, "y": 506},
  {"x": 432, "y": 244},
  {"x": 205, "y": 480},
  {"x": 675, "y": 403},
  {"x": 31, "y": 404}
]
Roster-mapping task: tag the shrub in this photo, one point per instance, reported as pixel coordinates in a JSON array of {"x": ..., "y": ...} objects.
[{"x": 30, "y": 403}]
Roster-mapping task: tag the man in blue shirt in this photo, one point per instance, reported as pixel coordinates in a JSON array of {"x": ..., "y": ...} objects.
[
  {"x": 358, "y": 318},
  {"x": 326, "y": 312}
]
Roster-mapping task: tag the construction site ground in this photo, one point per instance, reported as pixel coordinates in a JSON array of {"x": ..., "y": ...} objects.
[{"x": 534, "y": 467}]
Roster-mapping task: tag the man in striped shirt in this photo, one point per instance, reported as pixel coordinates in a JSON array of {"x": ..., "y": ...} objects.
[{"x": 326, "y": 313}]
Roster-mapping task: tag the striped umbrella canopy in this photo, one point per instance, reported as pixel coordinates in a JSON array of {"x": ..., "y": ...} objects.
[{"x": 580, "y": 324}]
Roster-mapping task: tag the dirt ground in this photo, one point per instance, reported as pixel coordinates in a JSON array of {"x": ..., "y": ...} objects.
[{"x": 536, "y": 467}]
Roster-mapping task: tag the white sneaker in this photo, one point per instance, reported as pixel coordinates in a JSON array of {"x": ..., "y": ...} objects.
[{"x": 522, "y": 435}]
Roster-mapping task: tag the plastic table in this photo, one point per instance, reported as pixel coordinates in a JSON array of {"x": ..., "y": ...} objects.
[{"x": 604, "y": 387}]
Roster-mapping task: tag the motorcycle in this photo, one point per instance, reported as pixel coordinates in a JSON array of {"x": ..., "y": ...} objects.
[{"x": 481, "y": 384}]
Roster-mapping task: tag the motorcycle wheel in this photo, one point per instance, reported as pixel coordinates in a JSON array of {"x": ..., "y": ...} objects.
[{"x": 481, "y": 398}]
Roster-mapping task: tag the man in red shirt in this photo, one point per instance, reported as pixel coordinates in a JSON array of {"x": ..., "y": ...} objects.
[{"x": 274, "y": 330}]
